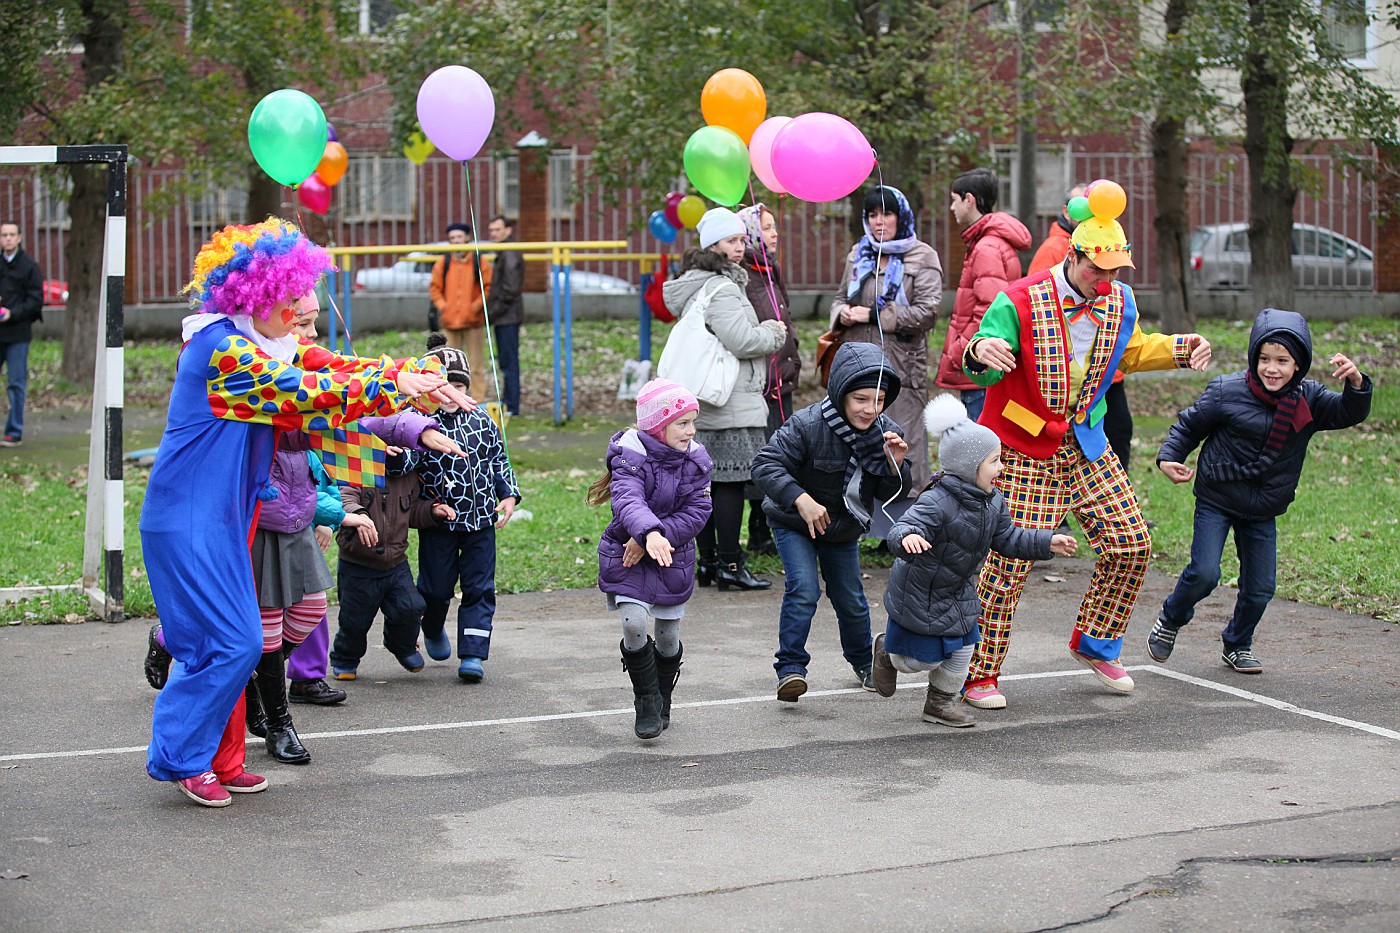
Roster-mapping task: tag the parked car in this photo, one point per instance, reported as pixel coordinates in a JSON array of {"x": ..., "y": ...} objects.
[
  {"x": 596, "y": 283},
  {"x": 1322, "y": 258},
  {"x": 55, "y": 293}
]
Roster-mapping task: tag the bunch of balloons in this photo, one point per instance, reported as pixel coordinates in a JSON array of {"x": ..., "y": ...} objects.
[
  {"x": 292, "y": 142},
  {"x": 1101, "y": 203},
  {"x": 681, "y": 211},
  {"x": 815, "y": 156}
]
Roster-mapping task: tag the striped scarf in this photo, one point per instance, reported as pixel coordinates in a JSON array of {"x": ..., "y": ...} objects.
[
  {"x": 1291, "y": 412},
  {"x": 867, "y": 456}
]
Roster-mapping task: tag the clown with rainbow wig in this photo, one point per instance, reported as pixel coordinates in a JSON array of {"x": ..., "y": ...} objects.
[{"x": 241, "y": 379}]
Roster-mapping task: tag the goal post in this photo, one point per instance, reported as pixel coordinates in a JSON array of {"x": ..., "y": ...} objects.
[{"x": 104, "y": 526}]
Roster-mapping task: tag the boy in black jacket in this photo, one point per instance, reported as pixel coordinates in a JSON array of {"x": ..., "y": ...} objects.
[{"x": 1255, "y": 426}]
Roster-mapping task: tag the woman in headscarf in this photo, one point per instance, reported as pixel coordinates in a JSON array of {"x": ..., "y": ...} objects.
[{"x": 891, "y": 289}]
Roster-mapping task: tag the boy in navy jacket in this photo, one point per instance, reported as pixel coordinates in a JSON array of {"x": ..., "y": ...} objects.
[{"x": 1255, "y": 426}]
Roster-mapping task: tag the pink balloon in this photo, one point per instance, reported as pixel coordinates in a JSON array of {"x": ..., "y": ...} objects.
[
  {"x": 456, "y": 110},
  {"x": 761, "y": 152},
  {"x": 821, "y": 157},
  {"x": 675, "y": 198},
  {"x": 314, "y": 194}
]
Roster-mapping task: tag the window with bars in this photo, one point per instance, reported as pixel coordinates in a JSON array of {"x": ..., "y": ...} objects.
[
  {"x": 508, "y": 186},
  {"x": 377, "y": 187},
  {"x": 563, "y": 183},
  {"x": 1052, "y": 179},
  {"x": 376, "y": 15},
  {"x": 51, "y": 201},
  {"x": 1348, "y": 28},
  {"x": 218, "y": 205}
]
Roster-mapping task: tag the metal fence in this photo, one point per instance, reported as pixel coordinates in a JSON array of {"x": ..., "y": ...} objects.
[{"x": 385, "y": 200}]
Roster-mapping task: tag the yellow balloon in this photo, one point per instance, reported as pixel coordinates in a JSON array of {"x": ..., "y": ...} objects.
[
  {"x": 1107, "y": 199},
  {"x": 417, "y": 148},
  {"x": 690, "y": 210}
]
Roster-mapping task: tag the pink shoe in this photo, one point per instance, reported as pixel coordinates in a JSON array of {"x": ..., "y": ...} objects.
[
  {"x": 205, "y": 790},
  {"x": 1109, "y": 673},
  {"x": 984, "y": 696},
  {"x": 245, "y": 783}
]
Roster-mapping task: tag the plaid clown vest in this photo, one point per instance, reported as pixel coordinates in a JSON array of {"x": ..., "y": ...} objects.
[{"x": 1030, "y": 407}]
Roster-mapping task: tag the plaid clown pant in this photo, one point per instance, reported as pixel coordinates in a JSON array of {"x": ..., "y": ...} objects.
[{"x": 1038, "y": 494}]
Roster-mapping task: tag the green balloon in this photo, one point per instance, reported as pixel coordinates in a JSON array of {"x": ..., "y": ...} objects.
[
  {"x": 287, "y": 134},
  {"x": 717, "y": 163},
  {"x": 1078, "y": 209}
]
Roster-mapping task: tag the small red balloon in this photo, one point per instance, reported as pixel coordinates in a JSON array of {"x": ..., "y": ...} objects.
[{"x": 314, "y": 194}]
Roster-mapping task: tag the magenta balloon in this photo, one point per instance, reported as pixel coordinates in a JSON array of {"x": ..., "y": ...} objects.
[
  {"x": 761, "y": 152},
  {"x": 675, "y": 198},
  {"x": 456, "y": 110},
  {"x": 821, "y": 157},
  {"x": 672, "y": 217},
  {"x": 315, "y": 194}
]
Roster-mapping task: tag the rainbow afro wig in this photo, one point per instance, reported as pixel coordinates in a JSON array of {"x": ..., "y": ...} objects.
[{"x": 249, "y": 269}]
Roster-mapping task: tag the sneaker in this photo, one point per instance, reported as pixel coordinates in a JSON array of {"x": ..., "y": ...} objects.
[
  {"x": 205, "y": 790},
  {"x": 344, "y": 673},
  {"x": 245, "y": 783},
  {"x": 1109, "y": 673},
  {"x": 470, "y": 670},
  {"x": 866, "y": 678},
  {"x": 413, "y": 662},
  {"x": 1242, "y": 660},
  {"x": 984, "y": 696},
  {"x": 157, "y": 664},
  {"x": 791, "y": 687},
  {"x": 883, "y": 674},
  {"x": 11, "y": 440},
  {"x": 439, "y": 646},
  {"x": 1160, "y": 641},
  {"x": 314, "y": 691}
]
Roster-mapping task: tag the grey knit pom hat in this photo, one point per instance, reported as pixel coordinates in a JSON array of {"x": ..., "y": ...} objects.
[{"x": 963, "y": 443}]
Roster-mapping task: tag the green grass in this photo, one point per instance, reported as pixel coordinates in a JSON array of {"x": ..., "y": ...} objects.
[{"x": 1337, "y": 543}]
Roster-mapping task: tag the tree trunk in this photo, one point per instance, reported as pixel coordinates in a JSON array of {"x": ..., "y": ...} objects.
[
  {"x": 103, "y": 37},
  {"x": 1026, "y": 137},
  {"x": 1169, "y": 186},
  {"x": 1268, "y": 148},
  {"x": 264, "y": 196}
]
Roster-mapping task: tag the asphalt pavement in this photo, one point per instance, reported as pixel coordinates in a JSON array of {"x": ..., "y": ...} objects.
[{"x": 1205, "y": 799}]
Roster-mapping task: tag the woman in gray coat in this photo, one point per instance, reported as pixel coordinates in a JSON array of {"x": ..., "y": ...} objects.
[{"x": 735, "y": 431}]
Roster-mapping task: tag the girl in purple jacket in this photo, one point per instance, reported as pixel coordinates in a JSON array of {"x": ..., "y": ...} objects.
[{"x": 658, "y": 479}]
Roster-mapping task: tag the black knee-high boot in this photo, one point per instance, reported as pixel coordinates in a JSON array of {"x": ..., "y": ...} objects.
[
  {"x": 641, "y": 667},
  {"x": 282, "y": 741},
  {"x": 668, "y": 671},
  {"x": 253, "y": 711}
]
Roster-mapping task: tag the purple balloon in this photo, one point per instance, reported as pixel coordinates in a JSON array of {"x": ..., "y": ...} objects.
[
  {"x": 821, "y": 157},
  {"x": 331, "y": 135},
  {"x": 456, "y": 110}
]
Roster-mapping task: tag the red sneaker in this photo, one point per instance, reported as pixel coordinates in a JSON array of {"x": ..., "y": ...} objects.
[
  {"x": 205, "y": 790},
  {"x": 1109, "y": 673},
  {"x": 245, "y": 783}
]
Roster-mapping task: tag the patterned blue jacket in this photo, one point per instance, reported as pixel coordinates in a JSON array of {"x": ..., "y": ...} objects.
[{"x": 473, "y": 485}]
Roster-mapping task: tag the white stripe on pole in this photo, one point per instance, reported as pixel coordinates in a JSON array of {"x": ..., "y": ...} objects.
[
  {"x": 112, "y": 530},
  {"x": 116, "y": 246},
  {"x": 29, "y": 154},
  {"x": 115, "y": 381}
]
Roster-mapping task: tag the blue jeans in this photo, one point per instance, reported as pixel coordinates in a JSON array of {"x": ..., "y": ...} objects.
[
  {"x": 972, "y": 400},
  {"x": 508, "y": 359},
  {"x": 840, "y": 568},
  {"x": 15, "y": 358},
  {"x": 1256, "y": 543}
]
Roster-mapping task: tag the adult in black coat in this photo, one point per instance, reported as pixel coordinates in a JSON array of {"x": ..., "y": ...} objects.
[
  {"x": 21, "y": 304},
  {"x": 506, "y": 305}
]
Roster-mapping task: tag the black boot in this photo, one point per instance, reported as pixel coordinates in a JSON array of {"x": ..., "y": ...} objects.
[
  {"x": 282, "y": 741},
  {"x": 641, "y": 667},
  {"x": 760, "y": 538},
  {"x": 705, "y": 567},
  {"x": 668, "y": 671},
  {"x": 253, "y": 711},
  {"x": 734, "y": 573}
]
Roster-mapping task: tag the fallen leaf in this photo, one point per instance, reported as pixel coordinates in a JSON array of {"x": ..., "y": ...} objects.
[
  {"x": 691, "y": 764},
  {"x": 10, "y": 875},
  {"x": 1053, "y": 578},
  {"x": 1290, "y": 803}
]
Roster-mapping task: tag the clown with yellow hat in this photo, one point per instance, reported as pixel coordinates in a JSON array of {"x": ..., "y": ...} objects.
[{"x": 1046, "y": 352}]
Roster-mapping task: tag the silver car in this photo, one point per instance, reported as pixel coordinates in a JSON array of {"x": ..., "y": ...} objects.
[{"x": 1322, "y": 258}]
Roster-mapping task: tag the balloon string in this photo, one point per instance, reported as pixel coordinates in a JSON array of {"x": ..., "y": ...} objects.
[
  {"x": 770, "y": 262},
  {"x": 330, "y": 291},
  {"x": 485, "y": 312},
  {"x": 879, "y": 326}
]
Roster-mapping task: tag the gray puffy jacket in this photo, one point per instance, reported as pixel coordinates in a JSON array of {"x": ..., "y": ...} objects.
[{"x": 935, "y": 593}]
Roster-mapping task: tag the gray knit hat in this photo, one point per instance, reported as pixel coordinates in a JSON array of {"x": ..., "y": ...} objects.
[
  {"x": 963, "y": 443},
  {"x": 454, "y": 362}
]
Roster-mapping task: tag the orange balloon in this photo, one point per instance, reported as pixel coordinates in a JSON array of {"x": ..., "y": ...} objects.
[
  {"x": 333, "y": 164},
  {"x": 734, "y": 99},
  {"x": 1107, "y": 199}
]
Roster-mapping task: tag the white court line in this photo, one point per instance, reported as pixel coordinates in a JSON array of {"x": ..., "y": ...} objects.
[{"x": 736, "y": 701}]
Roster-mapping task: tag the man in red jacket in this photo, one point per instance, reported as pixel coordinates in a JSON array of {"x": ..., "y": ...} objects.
[{"x": 988, "y": 267}]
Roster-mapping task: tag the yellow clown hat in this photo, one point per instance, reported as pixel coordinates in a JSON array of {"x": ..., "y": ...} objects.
[{"x": 1100, "y": 236}]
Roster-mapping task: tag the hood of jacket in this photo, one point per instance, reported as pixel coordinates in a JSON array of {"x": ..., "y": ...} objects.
[
  {"x": 677, "y": 292},
  {"x": 854, "y": 360},
  {"x": 999, "y": 224},
  {"x": 1269, "y": 325}
]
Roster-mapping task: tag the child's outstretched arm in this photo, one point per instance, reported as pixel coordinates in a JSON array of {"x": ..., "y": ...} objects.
[
  {"x": 910, "y": 536},
  {"x": 774, "y": 469},
  {"x": 1012, "y": 540},
  {"x": 1192, "y": 427},
  {"x": 1335, "y": 410}
]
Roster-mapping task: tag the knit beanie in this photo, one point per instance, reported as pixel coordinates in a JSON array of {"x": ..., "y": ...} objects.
[
  {"x": 963, "y": 443},
  {"x": 718, "y": 223},
  {"x": 659, "y": 403},
  {"x": 455, "y": 367}
]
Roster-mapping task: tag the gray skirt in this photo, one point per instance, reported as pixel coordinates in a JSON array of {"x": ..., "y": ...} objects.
[
  {"x": 287, "y": 566},
  {"x": 732, "y": 450}
]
